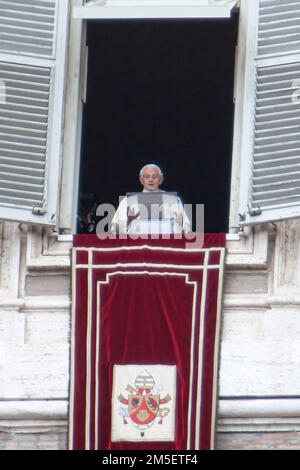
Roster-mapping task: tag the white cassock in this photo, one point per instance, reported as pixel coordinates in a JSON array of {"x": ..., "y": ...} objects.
[{"x": 174, "y": 212}]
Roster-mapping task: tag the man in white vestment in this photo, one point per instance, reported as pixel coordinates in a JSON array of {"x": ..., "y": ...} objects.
[{"x": 128, "y": 215}]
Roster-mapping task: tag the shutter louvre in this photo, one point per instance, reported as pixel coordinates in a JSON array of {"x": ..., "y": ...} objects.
[
  {"x": 279, "y": 27},
  {"x": 276, "y": 147},
  {"x": 27, "y": 27},
  {"x": 23, "y": 149}
]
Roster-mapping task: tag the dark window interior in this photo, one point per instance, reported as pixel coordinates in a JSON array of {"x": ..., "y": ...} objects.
[{"x": 161, "y": 92}]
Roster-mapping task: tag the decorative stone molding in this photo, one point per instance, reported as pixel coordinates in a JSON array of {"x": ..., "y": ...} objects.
[
  {"x": 10, "y": 246},
  {"x": 286, "y": 275},
  {"x": 31, "y": 410},
  {"x": 234, "y": 415},
  {"x": 259, "y": 415},
  {"x": 48, "y": 250},
  {"x": 250, "y": 251},
  {"x": 255, "y": 301},
  {"x": 45, "y": 252}
]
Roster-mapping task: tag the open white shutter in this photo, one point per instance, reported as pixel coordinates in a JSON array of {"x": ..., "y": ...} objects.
[
  {"x": 32, "y": 62},
  {"x": 271, "y": 169}
]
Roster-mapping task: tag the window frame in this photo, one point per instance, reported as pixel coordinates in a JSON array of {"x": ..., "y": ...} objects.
[
  {"x": 75, "y": 97},
  {"x": 78, "y": 54},
  {"x": 133, "y": 9},
  {"x": 244, "y": 99}
]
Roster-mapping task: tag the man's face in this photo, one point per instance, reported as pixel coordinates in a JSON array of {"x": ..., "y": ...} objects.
[{"x": 151, "y": 180}]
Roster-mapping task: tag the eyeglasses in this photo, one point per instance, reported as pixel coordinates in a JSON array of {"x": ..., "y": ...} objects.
[{"x": 154, "y": 177}]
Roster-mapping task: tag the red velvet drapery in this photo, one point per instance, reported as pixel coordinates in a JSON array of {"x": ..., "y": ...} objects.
[{"x": 145, "y": 304}]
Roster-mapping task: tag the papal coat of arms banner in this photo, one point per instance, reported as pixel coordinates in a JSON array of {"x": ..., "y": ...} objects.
[{"x": 145, "y": 337}]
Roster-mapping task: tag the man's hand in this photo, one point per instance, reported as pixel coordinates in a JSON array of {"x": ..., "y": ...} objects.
[
  {"x": 131, "y": 215},
  {"x": 178, "y": 218}
]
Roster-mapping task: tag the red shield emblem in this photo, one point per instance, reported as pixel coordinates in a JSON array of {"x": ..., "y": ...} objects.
[{"x": 143, "y": 409}]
